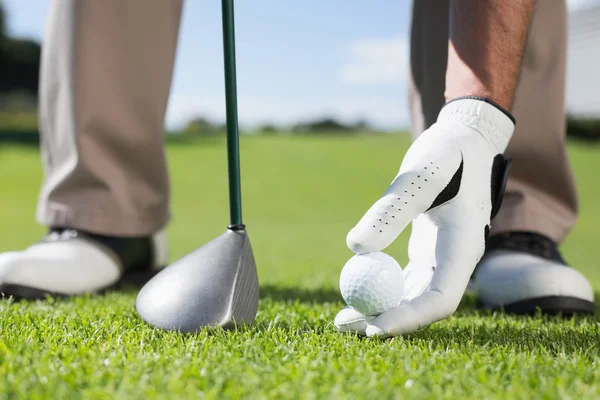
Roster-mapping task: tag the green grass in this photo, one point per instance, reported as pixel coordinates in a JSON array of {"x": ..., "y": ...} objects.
[{"x": 301, "y": 196}]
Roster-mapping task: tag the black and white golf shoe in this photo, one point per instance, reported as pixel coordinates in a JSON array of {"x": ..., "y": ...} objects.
[
  {"x": 68, "y": 262},
  {"x": 522, "y": 272}
]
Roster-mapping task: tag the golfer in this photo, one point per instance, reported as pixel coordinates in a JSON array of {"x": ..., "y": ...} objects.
[{"x": 487, "y": 86}]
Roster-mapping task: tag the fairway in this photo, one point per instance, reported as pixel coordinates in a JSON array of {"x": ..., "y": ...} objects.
[{"x": 301, "y": 195}]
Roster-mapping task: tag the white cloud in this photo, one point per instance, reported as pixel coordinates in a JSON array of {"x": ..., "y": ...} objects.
[
  {"x": 581, "y": 4},
  {"x": 372, "y": 62},
  {"x": 377, "y": 61}
]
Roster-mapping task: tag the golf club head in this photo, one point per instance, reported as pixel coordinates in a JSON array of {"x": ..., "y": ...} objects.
[{"x": 214, "y": 286}]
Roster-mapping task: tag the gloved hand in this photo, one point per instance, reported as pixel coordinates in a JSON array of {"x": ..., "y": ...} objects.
[{"x": 450, "y": 186}]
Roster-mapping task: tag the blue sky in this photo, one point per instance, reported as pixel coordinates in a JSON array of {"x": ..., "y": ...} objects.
[{"x": 296, "y": 60}]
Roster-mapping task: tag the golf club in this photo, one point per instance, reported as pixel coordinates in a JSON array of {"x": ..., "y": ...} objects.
[{"x": 217, "y": 284}]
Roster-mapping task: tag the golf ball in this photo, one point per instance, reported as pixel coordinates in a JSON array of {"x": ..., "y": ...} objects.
[{"x": 372, "y": 283}]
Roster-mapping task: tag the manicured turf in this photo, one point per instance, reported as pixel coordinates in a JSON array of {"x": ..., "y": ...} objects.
[{"x": 301, "y": 196}]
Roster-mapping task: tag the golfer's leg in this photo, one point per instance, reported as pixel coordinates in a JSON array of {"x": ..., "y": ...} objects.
[
  {"x": 541, "y": 195},
  {"x": 105, "y": 80}
]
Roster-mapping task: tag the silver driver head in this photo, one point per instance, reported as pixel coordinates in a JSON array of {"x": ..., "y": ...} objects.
[{"x": 214, "y": 286}]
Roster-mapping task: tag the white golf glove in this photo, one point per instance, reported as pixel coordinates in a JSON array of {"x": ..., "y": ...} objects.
[{"x": 450, "y": 185}]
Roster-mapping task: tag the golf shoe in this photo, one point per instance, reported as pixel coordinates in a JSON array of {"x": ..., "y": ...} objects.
[{"x": 69, "y": 262}]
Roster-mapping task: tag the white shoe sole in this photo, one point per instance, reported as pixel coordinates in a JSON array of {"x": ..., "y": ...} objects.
[
  {"x": 522, "y": 283},
  {"x": 72, "y": 267}
]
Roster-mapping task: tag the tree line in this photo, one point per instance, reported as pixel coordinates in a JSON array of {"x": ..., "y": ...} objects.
[
  {"x": 19, "y": 68},
  {"x": 19, "y": 80},
  {"x": 204, "y": 126}
]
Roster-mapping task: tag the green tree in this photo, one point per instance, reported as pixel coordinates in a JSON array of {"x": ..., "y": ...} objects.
[
  {"x": 203, "y": 127},
  {"x": 19, "y": 62},
  {"x": 322, "y": 125},
  {"x": 2, "y": 22}
]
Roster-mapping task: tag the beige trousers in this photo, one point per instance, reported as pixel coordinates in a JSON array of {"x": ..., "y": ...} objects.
[
  {"x": 541, "y": 195},
  {"x": 105, "y": 80}
]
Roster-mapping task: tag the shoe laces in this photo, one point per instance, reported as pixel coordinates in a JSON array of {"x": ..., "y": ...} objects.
[
  {"x": 527, "y": 242},
  {"x": 56, "y": 235}
]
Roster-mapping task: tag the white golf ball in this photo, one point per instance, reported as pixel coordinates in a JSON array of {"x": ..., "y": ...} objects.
[{"x": 372, "y": 283}]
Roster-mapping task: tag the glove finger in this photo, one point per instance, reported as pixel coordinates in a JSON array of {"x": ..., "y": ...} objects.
[
  {"x": 416, "y": 280},
  {"x": 423, "y": 237},
  {"x": 407, "y": 317},
  {"x": 458, "y": 249},
  {"x": 427, "y": 170},
  {"x": 352, "y": 321},
  {"x": 421, "y": 252}
]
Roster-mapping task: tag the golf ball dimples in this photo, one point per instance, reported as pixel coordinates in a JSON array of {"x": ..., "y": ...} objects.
[{"x": 372, "y": 283}]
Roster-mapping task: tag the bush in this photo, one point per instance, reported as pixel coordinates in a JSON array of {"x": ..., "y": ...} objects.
[
  {"x": 21, "y": 121},
  {"x": 268, "y": 129},
  {"x": 201, "y": 126},
  {"x": 18, "y": 101},
  {"x": 584, "y": 129},
  {"x": 322, "y": 125},
  {"x": 332, "y": 125},
  {"x": 19, "y": 127}
]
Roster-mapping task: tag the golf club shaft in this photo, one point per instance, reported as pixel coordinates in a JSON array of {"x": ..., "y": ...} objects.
[{"x": 233, "y": 147}]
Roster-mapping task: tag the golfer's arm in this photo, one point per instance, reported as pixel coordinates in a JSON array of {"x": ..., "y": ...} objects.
[{"x": 487, "y": 41}]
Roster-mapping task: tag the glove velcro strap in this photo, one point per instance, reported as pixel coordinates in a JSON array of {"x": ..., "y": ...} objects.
[{"x": 483, "y": 115}]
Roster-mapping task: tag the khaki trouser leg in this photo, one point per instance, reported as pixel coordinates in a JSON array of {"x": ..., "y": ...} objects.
[
  {"x": 541, "y": 194},
  {"x": 105, "y": 80}
]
